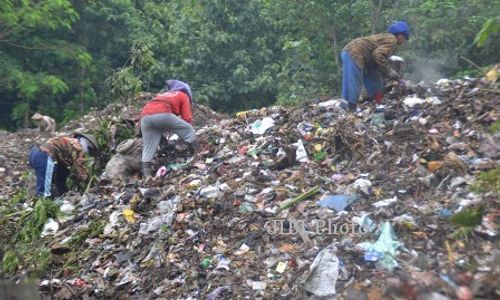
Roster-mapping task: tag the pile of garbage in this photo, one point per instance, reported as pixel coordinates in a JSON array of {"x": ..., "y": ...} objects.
[{"x": 398, "y": 201}]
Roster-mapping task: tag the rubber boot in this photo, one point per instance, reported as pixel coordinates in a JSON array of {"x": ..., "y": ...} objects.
[
  {"x": 193, "y": 147},
  {"x": 378, "y": 97},
  {"x": 146, "y": 170}
]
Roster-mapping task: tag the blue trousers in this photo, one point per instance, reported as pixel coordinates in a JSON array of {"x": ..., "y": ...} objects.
[
  {"x": 47, "y": 171},
  {"x": 353, "y": 78}
]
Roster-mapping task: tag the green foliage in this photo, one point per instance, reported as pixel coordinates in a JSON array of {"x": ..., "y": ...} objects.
[
  {"x": 10, "y": 262},
  {"x": 34, "y": 55},
  {"x": 466, "y": 220},
  {"x": 94, "y": 229},
  {"x": 490, "y": 28},
  {"x": 20, "y": 112},
  {"x": 319, "y": 156},
  {"x": 22, "y": 245},
  {"x": 102, "y": 134},
  {"x": 62, "y": 57},
  {"x": 488, "y": 182},
  {"x": 34, "y": 258},
  {"x": 468, "y": 217},
  {"x": 495, "y": 127},
  {"x": 124, "y": 84},
  {"x": 32, "y": 222}
]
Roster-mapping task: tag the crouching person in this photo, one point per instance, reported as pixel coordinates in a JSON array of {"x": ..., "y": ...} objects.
[
  {"x": 44, "y": 123},
  {"x": 166, "y": 112},
  {"x": 52, "y": 159}
]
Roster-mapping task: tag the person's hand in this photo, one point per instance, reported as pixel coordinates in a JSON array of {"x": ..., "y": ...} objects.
[{"x": 393, "y": 75}]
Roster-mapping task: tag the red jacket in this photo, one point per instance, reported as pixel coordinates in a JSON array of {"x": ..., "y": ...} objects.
[{"x": 174, "y": 102}]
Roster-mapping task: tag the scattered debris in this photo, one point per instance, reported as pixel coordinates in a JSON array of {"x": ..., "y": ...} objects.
[{"x": 241, "y": 218}]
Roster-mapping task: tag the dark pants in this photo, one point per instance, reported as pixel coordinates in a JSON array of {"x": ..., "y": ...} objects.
[{"x": 45, "y": 175}]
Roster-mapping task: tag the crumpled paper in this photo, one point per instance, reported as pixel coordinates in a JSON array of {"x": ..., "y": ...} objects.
[{"x": 324, "y": 272}]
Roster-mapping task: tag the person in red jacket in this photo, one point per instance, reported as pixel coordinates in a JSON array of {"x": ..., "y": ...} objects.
[{"x": 166, "y": 112}]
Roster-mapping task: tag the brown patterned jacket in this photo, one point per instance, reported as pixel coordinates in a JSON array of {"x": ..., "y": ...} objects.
[
  {"x": 68, "y": 152},
  {"x": 373, "y": 51}
]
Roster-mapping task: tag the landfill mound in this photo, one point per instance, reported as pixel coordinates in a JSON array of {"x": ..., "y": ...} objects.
[
  {"x": 14, "y": 150},
  {"x": 392, "y": 202}
]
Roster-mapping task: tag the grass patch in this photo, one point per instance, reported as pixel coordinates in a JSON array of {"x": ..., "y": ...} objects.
[
  {"x": 94, "y": 229},
  {"x": 487, "y": 182},
  {"x": 466, "y": 220},
  {"x": 23, "y": 247},
  {"x": 495, "y": 127},
  {"x": 31, "y": 223}
]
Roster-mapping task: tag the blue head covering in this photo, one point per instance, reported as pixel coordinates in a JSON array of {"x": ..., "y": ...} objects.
[
  {"x": 399, "y": 27},
  {"x": 177, "y": 85}
]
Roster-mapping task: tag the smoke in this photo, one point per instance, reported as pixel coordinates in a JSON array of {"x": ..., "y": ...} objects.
[{"x": 428, "y": 69}]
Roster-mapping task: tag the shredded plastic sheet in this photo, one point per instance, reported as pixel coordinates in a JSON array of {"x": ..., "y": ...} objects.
[
  {"x": 384, "y": 248},
  {"x": 260, "y": 126},
  {"x": 337, "y": 202}
]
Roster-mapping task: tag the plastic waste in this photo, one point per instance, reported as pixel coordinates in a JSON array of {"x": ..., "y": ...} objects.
[
  {"x": 161, "y": 171},
  {"x": 242, "y": 250},
  {"x": 281, "y": 267},
  {"x": 301, "y": 154},
  {"x": 385, "y": 202},
  {"x": 433, "y": 100},
  {"x": 210, "y": 191},
  {"x": 222, "y": 262},
  {"x": 205, "y": 263},
  {"x": 412, "y": 101},
  {"x": 372, "y": 255},
  {"x": 50, "y": 228},
  {"x": 386, "y": 246},
  {"x": 216, "y": 293},
  {"x": 378, "y": 119},
  {"x": 324, "y": 272},
  {"x": 361, "y": 184},
  {"x": 492, "y": 74},
  {"x": 128, "y": 214},
  {"x": 167, "y": 206},
  {"x": 365, "y": 222},
  {"x": 246, "y": 207},
  {"x": 67, "y": 208},
  {"x": 259, "y": 127},
  {"x": 258, "y": 285},
  {"x": 337, "y": 202},
  {"x": 445, "y": 213}
]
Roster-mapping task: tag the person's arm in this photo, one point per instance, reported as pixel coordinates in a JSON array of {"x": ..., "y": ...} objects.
[
  {"x": 186, "y": 113},
  {"x": 381, "y": 55},
  {"x": 81, "y": 173},
  {"x": 77, "y": 156}
]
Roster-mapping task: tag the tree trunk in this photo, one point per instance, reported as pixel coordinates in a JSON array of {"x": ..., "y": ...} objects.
[
  {"x": 375, "y": 15},
  {"x": 80, "y": 91},
  {"x": 26, "y": 121},
  {"x": 333, "y": 36}
]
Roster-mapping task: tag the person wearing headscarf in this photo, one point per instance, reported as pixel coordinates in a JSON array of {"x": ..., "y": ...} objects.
[
  {"x": 166, "y": 112},
  {"x": 366, "y": 61},
  {"x": 177, "y": 85}
]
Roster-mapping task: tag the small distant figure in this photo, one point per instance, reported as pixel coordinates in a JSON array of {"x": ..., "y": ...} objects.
[{"x": 45, "y": 123}]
